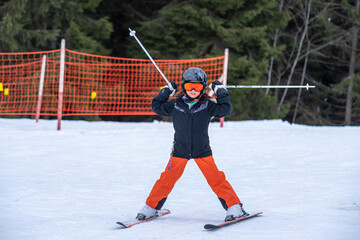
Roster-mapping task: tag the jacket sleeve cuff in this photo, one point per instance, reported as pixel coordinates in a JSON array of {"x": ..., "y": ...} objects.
[{"x": 222, "y": 92}]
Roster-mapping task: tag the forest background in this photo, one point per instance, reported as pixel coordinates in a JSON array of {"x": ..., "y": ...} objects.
[{"x": 271, "y": 42}]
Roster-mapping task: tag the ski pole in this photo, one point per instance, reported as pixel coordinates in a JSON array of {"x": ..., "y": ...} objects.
[
  {"x": 307, "y": 86},
  {"x": 132, "y": 34}
]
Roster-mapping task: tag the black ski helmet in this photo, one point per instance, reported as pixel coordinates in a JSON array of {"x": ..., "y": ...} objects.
[{"x": 194, "y": 74}]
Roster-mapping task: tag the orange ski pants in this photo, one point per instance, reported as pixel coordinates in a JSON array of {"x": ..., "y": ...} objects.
[{"x": 175, "y": 168}]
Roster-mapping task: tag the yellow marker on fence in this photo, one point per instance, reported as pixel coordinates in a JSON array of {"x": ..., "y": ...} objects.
[
  {"x": 1, "y": 87},
  {"x": 6, "y": 91},
  {"x": 93, "y": 95}
]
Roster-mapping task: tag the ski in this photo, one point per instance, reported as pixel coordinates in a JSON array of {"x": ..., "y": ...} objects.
[
  {"x": 128, "y": 224},
  {"x": 217, "y": 226}
]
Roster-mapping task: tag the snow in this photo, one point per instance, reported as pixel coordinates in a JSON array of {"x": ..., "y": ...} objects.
[{"x": 77, "y": 182}]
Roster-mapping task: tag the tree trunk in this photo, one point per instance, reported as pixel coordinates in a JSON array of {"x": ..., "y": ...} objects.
[
  {"x": 306, "y": 24},
  {"x": 349, "y": 95},
  {"x": 301, "y": 83},
  {"x": 276, "y": 37}
]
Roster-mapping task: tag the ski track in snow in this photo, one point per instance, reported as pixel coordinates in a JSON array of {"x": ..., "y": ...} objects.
[{"x": 77, "y": 182}]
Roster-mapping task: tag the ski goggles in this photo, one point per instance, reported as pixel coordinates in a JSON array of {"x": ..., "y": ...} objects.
[{"x": 196, "y": 86}]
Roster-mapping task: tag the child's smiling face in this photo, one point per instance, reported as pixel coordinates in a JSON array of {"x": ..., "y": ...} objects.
[{"x": 192, "y": 93}]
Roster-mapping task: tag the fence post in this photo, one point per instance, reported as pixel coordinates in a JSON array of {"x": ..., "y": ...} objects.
[
  {"x": 61, "y": 83},
  {"x": 41, "y": 86},
  {"x": 226, "y": 61}
]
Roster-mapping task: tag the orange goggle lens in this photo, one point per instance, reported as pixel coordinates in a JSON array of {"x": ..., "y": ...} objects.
[{"x": 196, "y": 86}]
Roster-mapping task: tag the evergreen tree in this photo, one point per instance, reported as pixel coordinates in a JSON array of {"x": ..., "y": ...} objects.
[
  {"x": 35, "y": 25},
  {"x": 349, "y": 18},
  {"x": 125, "y": 15}
]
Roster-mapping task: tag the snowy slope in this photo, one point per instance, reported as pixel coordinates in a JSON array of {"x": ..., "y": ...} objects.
[{"x": 77, "y": 182}]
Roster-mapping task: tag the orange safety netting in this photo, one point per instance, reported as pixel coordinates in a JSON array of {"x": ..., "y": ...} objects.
[{"x": 93, "y": 85}]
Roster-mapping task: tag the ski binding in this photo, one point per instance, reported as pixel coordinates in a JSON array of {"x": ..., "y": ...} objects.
[{"x": 128, "y": 224}]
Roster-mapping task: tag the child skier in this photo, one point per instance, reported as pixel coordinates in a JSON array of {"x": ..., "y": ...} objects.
[{"x": 191, "y": 113}]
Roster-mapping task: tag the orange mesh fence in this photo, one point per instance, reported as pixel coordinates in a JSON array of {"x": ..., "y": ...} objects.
[
  {"x": 93, "y": 85},
  {"x": 19, "y": 82}
]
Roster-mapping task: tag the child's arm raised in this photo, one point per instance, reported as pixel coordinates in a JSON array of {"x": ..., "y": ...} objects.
[
  {"x": 160, "y": 104},
  {"x": 222, "y": 107}
]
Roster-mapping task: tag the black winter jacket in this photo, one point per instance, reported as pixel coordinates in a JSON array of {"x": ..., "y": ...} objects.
[{"x": 191, "y": 138}]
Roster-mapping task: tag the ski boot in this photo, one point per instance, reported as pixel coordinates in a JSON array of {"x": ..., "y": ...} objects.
[
  {"x": 235, "y": 211},
  {"x": 146, "y": 212}
]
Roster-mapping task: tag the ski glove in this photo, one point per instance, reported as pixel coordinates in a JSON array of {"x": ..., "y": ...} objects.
[
  {"x": 166, "y": 89},
  {"x": 216, "y": 86}
]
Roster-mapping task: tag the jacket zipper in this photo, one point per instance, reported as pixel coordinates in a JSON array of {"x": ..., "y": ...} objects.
[{"x": 191, "y": 118}]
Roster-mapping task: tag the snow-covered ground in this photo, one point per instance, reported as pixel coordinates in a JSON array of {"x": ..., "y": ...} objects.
[{"x": 77, "y": 182}]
